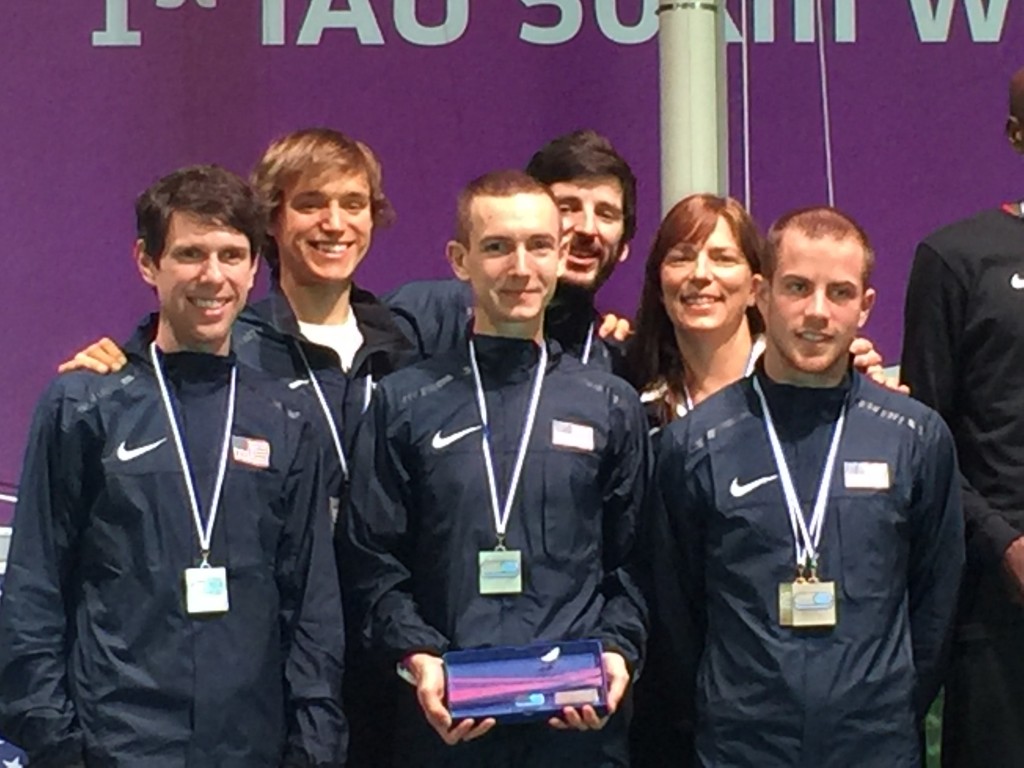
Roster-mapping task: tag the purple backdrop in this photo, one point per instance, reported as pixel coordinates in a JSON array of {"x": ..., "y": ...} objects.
[{"x": 89, "y": 122}]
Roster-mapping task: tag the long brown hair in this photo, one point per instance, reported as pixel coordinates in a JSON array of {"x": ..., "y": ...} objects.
[{"x": 653, "y": 357}]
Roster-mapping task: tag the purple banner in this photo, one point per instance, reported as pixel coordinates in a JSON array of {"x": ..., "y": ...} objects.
[{"x": 101, "y": 97}]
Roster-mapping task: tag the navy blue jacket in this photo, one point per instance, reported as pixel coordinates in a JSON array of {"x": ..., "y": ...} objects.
[
  {"x": 435, "y": 315},
  {"x": 267, "y": 337},
  {"x": 99, "y": 660},
  {"x": 773, "y": 696},
  {"x": 422, "y": 514}
]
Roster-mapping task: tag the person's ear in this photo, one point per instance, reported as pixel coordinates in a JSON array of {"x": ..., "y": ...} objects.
[
  {"x": 456, "y": 254},
  {"x": 253, "y": 269},
  {"x": 755, "y": 281},
  {"x": 867, "y": 302},
  {"x": 144, "y": 262},
  {"x": 761, "y": 289},
  {"x": 1015, "y": 134}
]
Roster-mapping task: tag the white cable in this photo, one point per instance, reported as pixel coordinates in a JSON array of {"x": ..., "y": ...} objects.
[
  {"x": 826, "y": 114},
  {"x": 745, "y": 60},
  {"x": 8, "y": 498}
]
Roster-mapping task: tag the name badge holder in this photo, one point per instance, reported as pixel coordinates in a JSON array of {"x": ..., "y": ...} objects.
[
  {"x": 206, "y": 586},
  {"x": 807, "y": 602},
  {"x": 501, "y": 569}
]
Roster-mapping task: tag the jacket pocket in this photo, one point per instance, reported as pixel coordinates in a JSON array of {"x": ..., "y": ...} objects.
[
  {"x": 873, "y": 543},
  {"x": 572, "y": 505}
]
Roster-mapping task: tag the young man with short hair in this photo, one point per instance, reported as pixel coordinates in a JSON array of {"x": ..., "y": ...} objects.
[
  {"x": 502, "y": 445},
  {"x": 317, "y": 328},
  {"x": 170, "y": 596},
  {"x": 808, "y": 533}
]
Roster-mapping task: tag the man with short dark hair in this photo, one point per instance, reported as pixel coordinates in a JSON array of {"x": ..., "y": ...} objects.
[
  {"x": 596, "y": 192},
  {"x": 810, "y": 523},
  {"x": 171, "y": 597},
  {"x": 503, "y": 448},
  {"x": 963, "y": 343}
]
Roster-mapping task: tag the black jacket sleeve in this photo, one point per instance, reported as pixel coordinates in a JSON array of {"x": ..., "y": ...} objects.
[
  {"x": 624, "y": 618},
  {"x": 677, "y": 512},
  {"x": 376, "y": 541},
  {"x": 936, "y": 558},
  {"x": 673, "y": 546},
  {"x": 933, "y": 326},
  {"x": 36, "y": 711},
  {"x": 433, "y": 314},
  {"x": 311, "y": 616}
]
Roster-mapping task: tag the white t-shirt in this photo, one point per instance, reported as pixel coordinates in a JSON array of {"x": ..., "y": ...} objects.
[{"x": 345, "y": 338}]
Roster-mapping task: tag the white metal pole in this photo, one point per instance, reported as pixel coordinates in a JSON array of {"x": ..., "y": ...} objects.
[{"x": 694, "y": 118}]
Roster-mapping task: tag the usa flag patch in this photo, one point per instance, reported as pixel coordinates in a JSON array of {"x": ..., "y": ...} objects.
[
  {"x": 251, "y": 451},
  {"x": 866, "y": 475},
  {"x": 569, "y": 435}
]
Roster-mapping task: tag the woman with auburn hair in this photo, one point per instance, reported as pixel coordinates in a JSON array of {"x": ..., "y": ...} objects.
[
  {"x": 697, "y": 327},
  {"x": 696, "y": 332}
]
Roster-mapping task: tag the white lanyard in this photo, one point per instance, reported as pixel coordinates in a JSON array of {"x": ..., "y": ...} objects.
[
  {"x": 367, "y": 392},
  {"x": 806, "y": 539},
  {"x": 205, "y": 532},
  {"x": 331, "y": 425},
  {"x": 588, "y": 345},
  {"x": 501, "y": 514},
  {"x": 755, "y": 352}
]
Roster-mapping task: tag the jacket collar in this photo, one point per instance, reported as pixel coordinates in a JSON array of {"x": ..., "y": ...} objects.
[
  {"x": 374, "y": 320},
  {"x": 190, "y": 364}
]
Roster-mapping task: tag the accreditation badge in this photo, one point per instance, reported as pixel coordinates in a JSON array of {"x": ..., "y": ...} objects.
[
  {"x": 807, "y": 604},
  {"x": 206, "y": 590},
  {"x": 501, "y": 572}
]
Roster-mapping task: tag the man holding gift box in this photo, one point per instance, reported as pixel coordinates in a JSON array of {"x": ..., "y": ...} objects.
[{"x": 500, "y": 506}]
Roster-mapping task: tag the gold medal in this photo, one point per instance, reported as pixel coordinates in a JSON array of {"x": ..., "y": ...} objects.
[{"x": 807, "y": 603}]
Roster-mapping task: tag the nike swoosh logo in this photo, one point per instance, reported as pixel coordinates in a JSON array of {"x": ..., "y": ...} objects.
[
  {"x": 125, "y": 453},
  {"x": 440, "y": 442},
  {"x": 1016, "y": 281},
  {"x": 739, "y": 490},
  {"x": 298, "y": 383}
]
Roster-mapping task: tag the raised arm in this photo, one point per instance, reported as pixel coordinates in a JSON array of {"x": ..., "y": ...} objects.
[{"x": 433, "y": 314}]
